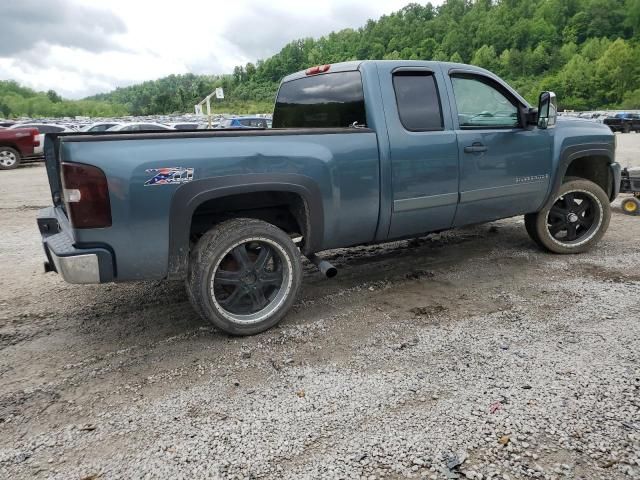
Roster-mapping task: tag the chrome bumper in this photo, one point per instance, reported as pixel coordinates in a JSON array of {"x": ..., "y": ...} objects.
[
  {"x": 78, "y": 268},
  {"x": 75, "y": 265}
]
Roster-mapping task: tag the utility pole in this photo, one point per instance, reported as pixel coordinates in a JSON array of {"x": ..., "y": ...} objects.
[{"x": 219, "y": 94}]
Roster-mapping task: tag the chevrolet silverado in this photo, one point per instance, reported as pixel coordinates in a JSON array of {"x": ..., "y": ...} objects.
[{"x": 361, "y": 152}]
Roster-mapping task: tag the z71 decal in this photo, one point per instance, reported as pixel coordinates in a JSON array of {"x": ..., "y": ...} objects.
[{"x": 169, "y": 175}]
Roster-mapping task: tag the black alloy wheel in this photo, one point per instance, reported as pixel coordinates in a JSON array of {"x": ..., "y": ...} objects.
[
  {"x": 248, "y": 278},
  {"x": 573, "y": 220},
  {"x": 244, "y": 275},
  {"x": 572, "y": 216}
]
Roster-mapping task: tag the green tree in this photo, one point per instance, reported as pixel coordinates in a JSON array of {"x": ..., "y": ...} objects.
[
  {"x": 585, "y": 50},
  {"x": 617, "y": 71}
]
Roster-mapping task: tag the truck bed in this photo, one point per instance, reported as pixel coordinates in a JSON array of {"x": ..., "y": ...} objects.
[{"x": 338, "y": 167}]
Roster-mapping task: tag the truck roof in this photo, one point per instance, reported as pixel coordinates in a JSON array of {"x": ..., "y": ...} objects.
[{"x": 357, "y": 64}]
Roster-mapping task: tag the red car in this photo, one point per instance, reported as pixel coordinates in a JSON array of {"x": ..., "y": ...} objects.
[{"x": 17, "y": 144}]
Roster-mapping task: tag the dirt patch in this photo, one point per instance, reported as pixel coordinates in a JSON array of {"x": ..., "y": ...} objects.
[{"x": 418, "y": 352}]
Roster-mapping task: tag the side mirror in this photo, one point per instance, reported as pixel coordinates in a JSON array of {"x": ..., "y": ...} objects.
[{"x": 547, "y": 110}]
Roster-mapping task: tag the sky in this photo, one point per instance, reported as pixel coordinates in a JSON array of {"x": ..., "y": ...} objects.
[{"x": 79, "y": 48}]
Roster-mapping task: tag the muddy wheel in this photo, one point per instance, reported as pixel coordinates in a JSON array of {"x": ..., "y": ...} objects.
[
  {"x": 9, "y": 158},
  {"x": 574, "y": 221},
  {"x": 631, "y": 206},
  {"x": 244, "y": 276}
]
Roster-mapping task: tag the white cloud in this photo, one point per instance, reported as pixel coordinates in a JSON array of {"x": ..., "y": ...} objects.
[{"x": 137, "y": 41}]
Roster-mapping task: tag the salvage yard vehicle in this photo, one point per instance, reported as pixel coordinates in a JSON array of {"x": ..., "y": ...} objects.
[
  {"x": 185, "y": 125},
  {"x": 44, "y": 129},
  {"x": 631, "y": 184},
  {"x": 138, "y": 126},
  {"x": 99, "y": 126},
  {"x": 360, "y": 153},
  {"x": 243, "y": 122},
  {"x": 623, "y": 122},
  {"x": 17, "y": 145}
]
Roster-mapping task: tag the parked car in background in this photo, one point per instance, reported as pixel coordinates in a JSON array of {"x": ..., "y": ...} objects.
[
  {"x": 205, "y": 126},
  {"x": 139, "y": 126},
  {"x": 185, "y": 125},
  {"x": 623, "y": 122},
  {"x": 243, "y": 122},
  {"x": 16, "y": 145},
  {"x": 433, "y": 146},
  {"x": 99, "y": 126},
  {"x": 43, "y": 128},
  {"x": 6, "y": 123}
]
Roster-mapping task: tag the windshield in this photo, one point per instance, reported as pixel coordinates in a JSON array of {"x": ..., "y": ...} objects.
[{"x": 321, "y": 101}]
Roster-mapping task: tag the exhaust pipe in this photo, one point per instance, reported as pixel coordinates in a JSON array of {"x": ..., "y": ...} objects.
[{"x": 325, "y": 267}]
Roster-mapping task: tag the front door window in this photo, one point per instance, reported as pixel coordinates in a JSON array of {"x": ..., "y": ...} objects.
[{"x": 482, "y": 105}]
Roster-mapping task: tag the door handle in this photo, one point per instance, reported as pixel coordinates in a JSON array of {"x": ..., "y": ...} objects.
[{"x": 477, "y": 147}]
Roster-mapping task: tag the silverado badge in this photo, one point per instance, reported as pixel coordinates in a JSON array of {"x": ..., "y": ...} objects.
[{"x": 169, "y": 175}]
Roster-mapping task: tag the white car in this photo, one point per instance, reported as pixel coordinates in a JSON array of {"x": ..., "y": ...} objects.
[
  {"x": 43, "y": 128},
  {"x": 132, "y": 127},
  {"x": 99, "y": 126}
]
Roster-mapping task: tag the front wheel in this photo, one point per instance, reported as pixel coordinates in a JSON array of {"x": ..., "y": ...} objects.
[
  {"x": 574, "y": 221},
  {"x": 244, "y": 276},
  {"x": 9, "y": 158}
]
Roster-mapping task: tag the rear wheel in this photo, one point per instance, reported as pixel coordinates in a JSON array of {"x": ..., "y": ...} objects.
[
  {"x": 9, "y": 158},
  {"x": 574, "y": 221},
  {"x": 631, "y": 206},
  {"x": 244, "y": 275},
  {"x": 626, "y": 128}
]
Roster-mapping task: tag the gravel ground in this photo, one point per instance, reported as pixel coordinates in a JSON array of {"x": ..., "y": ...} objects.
[{"x": 469, "y": 354}]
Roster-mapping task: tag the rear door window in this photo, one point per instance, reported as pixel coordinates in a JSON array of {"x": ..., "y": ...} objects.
[
  {"x": 418, "y": 102},
  {"x": 332, "y": 100}
]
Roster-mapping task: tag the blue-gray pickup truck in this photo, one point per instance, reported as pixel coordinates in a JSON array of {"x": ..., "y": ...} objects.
[{"x": 360, "y": 152}]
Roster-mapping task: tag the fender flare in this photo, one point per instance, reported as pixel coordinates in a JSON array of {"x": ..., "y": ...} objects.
[
  {"x": 190, "y": 196},
  {"x": 574, "y": 152}
]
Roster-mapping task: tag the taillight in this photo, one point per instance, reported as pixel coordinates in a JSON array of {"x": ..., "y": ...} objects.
[
  {"x": 86, "y": 196},
  {"x": 35, "y": 137},
  {"x": 317, "y": 69}
]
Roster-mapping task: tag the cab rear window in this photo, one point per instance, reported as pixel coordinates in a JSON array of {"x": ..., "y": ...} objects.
[{"x": 332, "y": 100}]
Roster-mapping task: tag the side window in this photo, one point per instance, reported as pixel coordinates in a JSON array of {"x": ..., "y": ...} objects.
[
  {"x": 418, "y": 101},
  {"x": 480, "y": 104}
]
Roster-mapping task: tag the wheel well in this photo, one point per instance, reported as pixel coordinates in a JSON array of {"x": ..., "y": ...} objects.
[
  {"x": 594, "y": 168},
  {"x": 10, "y": 145},
  {"x": 287, "y": 211}
]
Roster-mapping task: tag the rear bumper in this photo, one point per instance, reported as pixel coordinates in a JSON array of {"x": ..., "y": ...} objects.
[{"x": 75, "y": 265}]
